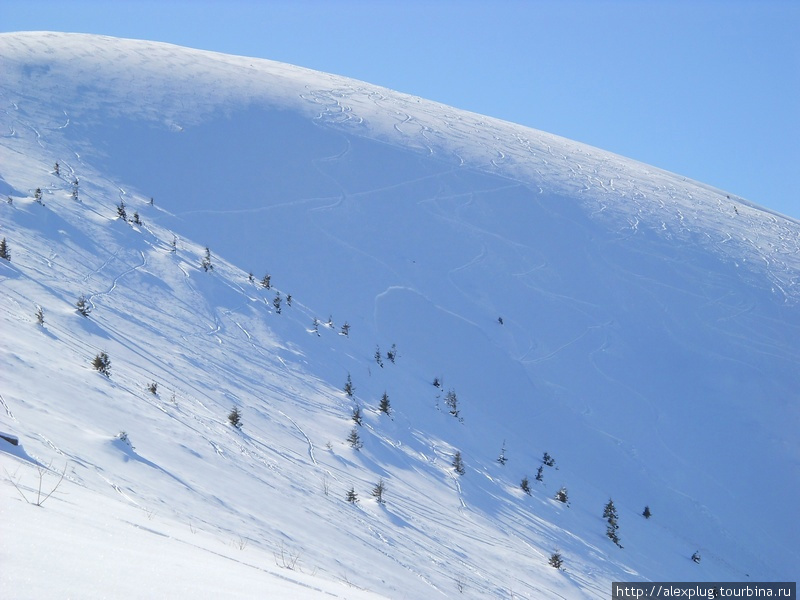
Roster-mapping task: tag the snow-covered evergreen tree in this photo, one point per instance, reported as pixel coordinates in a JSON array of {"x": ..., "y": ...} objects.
[
  {"x": 83, "y": 306},
  {"x": 206, "y": 262}
]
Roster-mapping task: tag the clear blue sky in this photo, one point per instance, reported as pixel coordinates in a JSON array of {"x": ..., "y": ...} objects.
[{"x": 709, "y": 89}]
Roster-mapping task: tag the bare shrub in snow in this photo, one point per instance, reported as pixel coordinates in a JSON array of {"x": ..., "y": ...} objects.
[
  {"x": 285, "y": 558},
  {"x": 41, "y": 494}
]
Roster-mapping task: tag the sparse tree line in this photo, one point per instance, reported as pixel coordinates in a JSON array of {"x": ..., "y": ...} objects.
[
  {"x": 556, "y": 559},
  {"x": 84, "y": 307},
  {"x": 102, "y": 364}
]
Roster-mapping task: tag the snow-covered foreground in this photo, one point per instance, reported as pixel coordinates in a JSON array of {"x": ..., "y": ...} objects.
[{"x": 642, "y": 329}]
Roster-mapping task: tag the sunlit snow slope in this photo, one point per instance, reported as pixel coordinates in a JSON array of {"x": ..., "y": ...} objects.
[{"x": 641, "y": 328}]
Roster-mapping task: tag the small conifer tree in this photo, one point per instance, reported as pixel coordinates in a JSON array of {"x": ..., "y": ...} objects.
[
  {"x": 83, "y": 306},
  {"x": 458, "y": 463},
  {"x": 39, "y": 315},
  {"x": 451, "y": 400},
  {"x": 548, "y": 460},
  {"x": 384, "y": 406},
  {"x": 351, "y": 495},
  {"x": 357, "y": 416},
  {"x": 354, "y": 439},
  {"x": 276, "y": 303},
  {"x": 102, "y": 364},
  {"x": 4, "y": 251},
  {"x": 539, "y": 471},
  {"x": 121, "y": 212},
  {"x": 136, "y": 219},
  {"x": 378, "y": 490},
  {"x": 57, "y": 169},
  {"x": 646, "y": 512},
  {"x": 349, "y": 388},
  {"x": 235, "y": 418},
  {"x": 610, "y": 511},
  {"x": 562, "y": 495},
  {"x": 378, "y": 358},
  {"x": 266, "y": 281},
  {"x": 37, "y": 195},
  {"x": 391, "y": 354},
  {"x": 502, "y": 459},
  {"x": 556, "y": 561},
  {"x": 610, "y": 514},
  {"x": 288, "y": 299},
  {"x": 206, "y": 263},
  {"x": 525, "y": 485},
  {"x": 153, "y": 388},
  {"x": 346, "y": 329}
]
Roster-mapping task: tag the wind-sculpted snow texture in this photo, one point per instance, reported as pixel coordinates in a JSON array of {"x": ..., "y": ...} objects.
[{"x": 641, "y": 328}]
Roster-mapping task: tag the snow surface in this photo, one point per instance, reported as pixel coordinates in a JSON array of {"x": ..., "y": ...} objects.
[{"x": 649, "y": 342}]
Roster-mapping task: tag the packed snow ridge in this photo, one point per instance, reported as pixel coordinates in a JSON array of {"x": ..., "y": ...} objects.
[{"x": 276, "y": 266}]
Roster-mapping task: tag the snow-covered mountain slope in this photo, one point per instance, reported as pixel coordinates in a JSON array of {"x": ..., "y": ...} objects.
[{"x": 642, "y": 329}]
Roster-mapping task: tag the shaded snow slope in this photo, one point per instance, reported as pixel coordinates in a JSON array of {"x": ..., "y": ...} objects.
[{"x": 649, "y": 341}]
